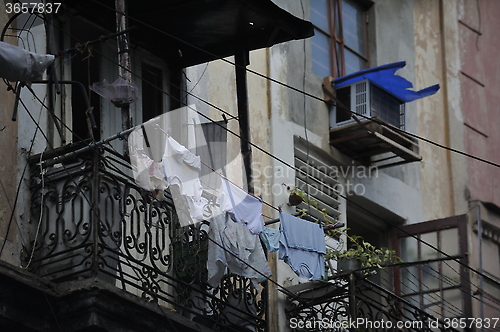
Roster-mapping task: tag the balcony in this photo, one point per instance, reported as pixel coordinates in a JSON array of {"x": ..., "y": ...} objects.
[
  {"x": 367, "y": 302},
  {"x": 92, "y": 223}
]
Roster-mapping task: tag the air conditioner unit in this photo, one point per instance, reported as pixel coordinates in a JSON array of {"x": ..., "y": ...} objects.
[{"x": 368, "y": 100}]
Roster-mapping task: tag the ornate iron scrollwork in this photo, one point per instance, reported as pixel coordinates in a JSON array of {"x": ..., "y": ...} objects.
[{"x": 95, "y": 222}]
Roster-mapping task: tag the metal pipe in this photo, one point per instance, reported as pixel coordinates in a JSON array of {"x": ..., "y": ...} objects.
[
  {"x": 480, "y": 263},
  {"x": 102, "y": 39},
  {"x": 241, "y": 60},
  {"x": 124, "y": 62},
  {"x": 93, "y": 145}
]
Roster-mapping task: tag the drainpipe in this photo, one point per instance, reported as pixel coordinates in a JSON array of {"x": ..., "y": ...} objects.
[
  {"x": 480, "y": 254},
  {"x": 124, "y": 62},
  {"x": 242, "y": 61}
]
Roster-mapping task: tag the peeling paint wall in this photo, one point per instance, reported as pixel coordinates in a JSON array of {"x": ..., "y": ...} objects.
[
  {"x": 435, "y": 171},
  {"x": 480, "y": 83},
  {"x": 8, "y": 164}
]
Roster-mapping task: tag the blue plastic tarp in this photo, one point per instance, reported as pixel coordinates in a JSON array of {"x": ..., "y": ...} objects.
[{"x": 386, "y": 78}]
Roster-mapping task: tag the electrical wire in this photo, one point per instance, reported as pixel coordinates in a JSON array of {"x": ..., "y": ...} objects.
[
  {"x": 465, "y": 291},
  {"x": 46, "y": 138},
  {"x": 431, "y": 294},
  {"x": 304, "y": 173},
  {"x": 42, "y": 173},
  {"x": 18, "y": 189},
  {"x": 403, "y": 131},
  {"x": 278, "y": 159},
  {"x": 197, "y": 82},
  {"x": 299, "y": 170},
  {"x": 300, "y": 91}
]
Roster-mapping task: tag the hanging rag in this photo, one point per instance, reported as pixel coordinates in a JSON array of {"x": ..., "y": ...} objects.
[
  {"x": 236, "y": 250},
  {"x": 148, "y": 174},
  {"x": 181, "y": 168},
  {"x": 302, "y": 246},
  {"x": 271, "y": 238},
  {"x": 242, "y": 207}
]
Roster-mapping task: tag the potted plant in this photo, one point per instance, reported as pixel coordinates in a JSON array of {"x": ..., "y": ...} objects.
[{"x": 360, "y": 254}]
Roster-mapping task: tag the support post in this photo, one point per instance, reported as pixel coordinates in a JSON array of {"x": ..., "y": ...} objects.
[
  {"x": 124, "y": 62},
  {"x": 242, "y": 61}
]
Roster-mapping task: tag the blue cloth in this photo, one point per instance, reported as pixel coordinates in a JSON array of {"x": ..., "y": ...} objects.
[
  {"x": 302, "y": 246},
  {"x": 242, "y": 207},
  {"x": 385, "y": 77},
  {"x": 271, "y": 238},
  {"x": 232, "y": 247},
  {"x": 302, "y": 234}
]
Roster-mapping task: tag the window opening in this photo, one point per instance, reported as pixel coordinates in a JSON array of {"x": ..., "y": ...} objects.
[
  {"x": 85, "y": 68},
  {"x": 152, "y": 91},
  {"x": 340, "y": 43},
  {"x": 435, "y": 283}
]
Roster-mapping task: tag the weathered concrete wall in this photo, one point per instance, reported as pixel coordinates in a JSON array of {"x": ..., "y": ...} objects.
[
  {"x": 438, "y": 114},
  {"x": 8, "y": 164},
  {"x": 480, "y": 82},
  {"x": 395, "y": 192}
]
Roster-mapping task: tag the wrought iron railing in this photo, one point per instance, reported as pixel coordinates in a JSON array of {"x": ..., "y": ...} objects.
[
  {"x": 92, "y": 221},
  {"x": 351, "y": 302}
]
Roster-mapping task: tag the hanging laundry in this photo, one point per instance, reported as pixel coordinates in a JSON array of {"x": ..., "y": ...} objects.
[
  {"x": 271, "y": 238},
  {"x": 181, "y": 168},
  {"x": 302, "y": 246},
  {"x": 243, "y": 207},
  {"x": 213, "y": 153},
  {"x": 148, "y": 174},
  {"x": 232, "y": 247}
]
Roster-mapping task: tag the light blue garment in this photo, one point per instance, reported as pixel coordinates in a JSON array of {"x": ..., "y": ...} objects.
[
  {"x": 302, "y": 234},
  {"x": 242, "y": 207},
  {"x": 231, "y": 247},
  {"x": 302, "y": 246},
  {"x": 271, "y": 238}
]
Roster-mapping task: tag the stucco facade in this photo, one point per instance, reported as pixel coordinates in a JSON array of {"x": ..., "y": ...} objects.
[{"x": 446, "y": 42}]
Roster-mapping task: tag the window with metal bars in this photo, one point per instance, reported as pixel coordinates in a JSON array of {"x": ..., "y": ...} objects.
[{"x": 436, "y": 283}]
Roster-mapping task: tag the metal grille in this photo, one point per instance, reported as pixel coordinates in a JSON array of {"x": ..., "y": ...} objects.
[
  {"x": 361, "y": 98},
  {"x": 386, "y": 107},
  {"x": 358, "y": 300},
  {"x": 94, "y": 222},
  {"x": 320, "y": 183}
]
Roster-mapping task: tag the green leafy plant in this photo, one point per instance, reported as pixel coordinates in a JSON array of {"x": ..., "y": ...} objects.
[
  {"x": 368, "y": 255},
  {"x": 298, "y": 195}
]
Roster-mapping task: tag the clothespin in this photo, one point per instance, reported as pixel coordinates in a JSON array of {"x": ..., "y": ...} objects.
[{"x": 158, "y": 127}]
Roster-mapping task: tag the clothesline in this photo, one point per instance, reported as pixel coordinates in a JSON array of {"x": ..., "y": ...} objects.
[
  {"x": 272, "y": 221},
  {"x": 222, "y": 176},
  {"x": 325, "y": 227},
  {"x": 300, "y": 242}
]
